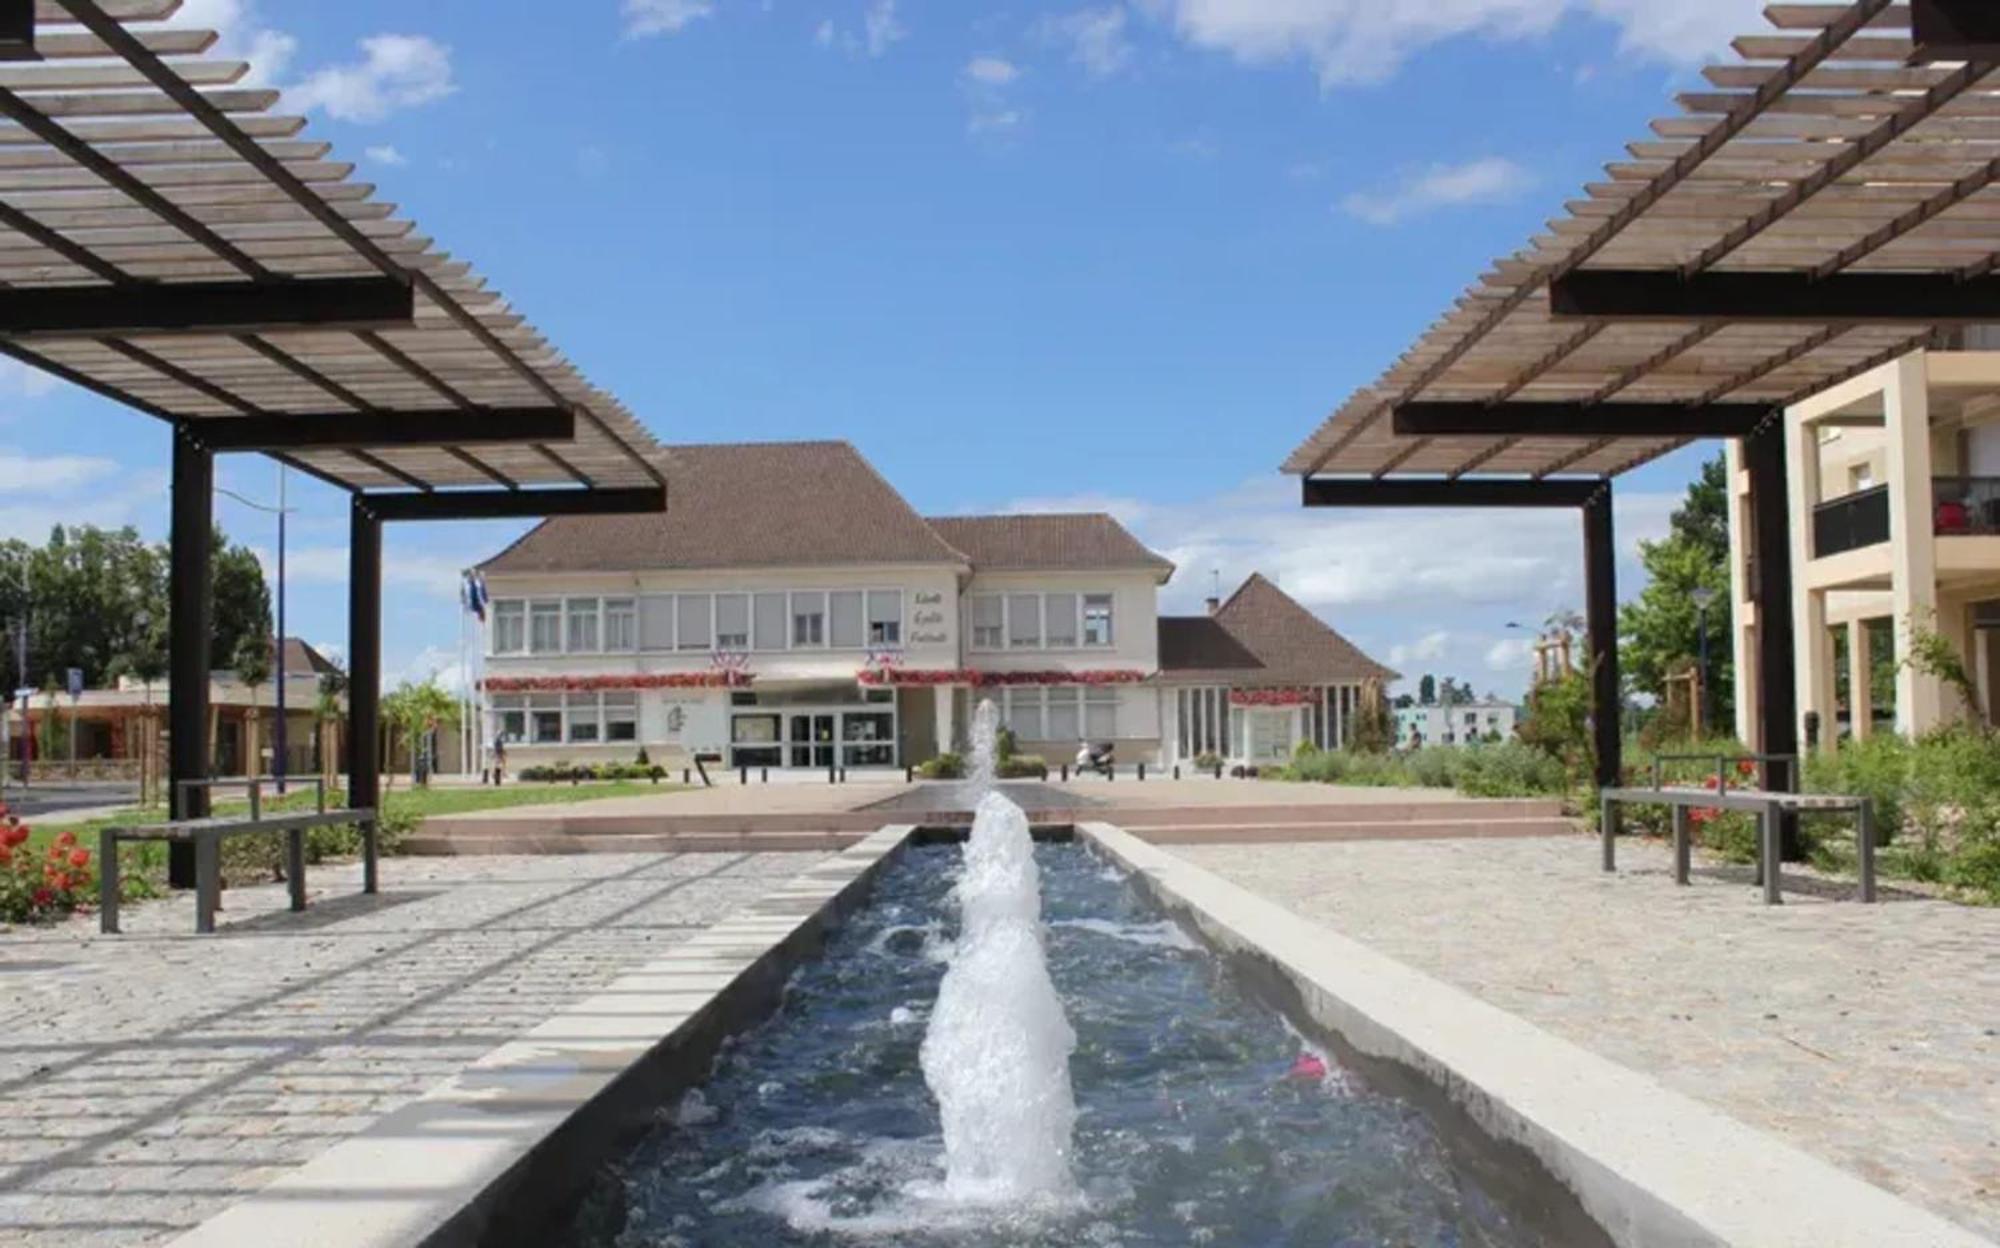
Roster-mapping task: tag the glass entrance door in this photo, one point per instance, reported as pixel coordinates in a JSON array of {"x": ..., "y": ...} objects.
[
  {"x": 868, "y": 738},
  {"x": 811, "y": 739}
]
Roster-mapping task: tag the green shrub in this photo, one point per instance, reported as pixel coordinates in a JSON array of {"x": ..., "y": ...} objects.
[
  {"x": 1022, "y": 767},
  {"x": 946, "y": 766},
  {"x": 1509, "y": 769},
  {"x": 1207, "y": 760},
  {"x": 1937, "y": 804}
]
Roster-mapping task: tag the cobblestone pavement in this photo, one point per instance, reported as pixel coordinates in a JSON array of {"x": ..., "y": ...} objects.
[
  {"x": 148, "y": 1079},
  {"x": 1869, "y": 1035}
]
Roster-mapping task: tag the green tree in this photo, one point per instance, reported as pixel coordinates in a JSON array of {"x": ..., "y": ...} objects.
[
  {"x": 242, "y": 602},
  {"x": 1659, "y": 632},
  {"x": 410, "y": 710},
  {"x": 1427, "y": 690}
]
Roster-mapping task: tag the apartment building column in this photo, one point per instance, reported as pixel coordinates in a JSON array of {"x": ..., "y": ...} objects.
[
  {"x": 1912, "y": 540},
  {"x": 1813, "y": 676},
  {"x": 1860, "y": 674},
  {"x": 941, "y": 707},
  {"x": 1743, "y": 617}
]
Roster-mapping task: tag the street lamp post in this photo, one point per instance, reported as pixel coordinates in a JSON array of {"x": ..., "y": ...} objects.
[
  {"x": 1702, "y": 596},
  {"x": 278, "y": 643}
]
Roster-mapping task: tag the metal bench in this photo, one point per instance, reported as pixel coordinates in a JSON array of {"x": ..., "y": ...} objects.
[
  {"x": 207, "y": 836},
  {"x": 1769, "y": 807}
]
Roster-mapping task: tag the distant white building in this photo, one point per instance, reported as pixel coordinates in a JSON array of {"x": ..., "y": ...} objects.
[{"x": 1465, "y": 723}]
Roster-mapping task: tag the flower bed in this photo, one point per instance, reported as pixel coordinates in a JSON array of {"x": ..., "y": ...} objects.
[{"x": 37, "y": 886}]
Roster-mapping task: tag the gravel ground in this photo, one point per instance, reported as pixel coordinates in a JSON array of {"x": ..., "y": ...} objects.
[
  {"x": 1869, "y": 1035},
  {"x": 146, "y": 1080}
]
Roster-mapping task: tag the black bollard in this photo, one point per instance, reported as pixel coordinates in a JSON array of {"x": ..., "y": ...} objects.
[
  {"x": 1142, "y": 771},
  {"x": 1065, "y": 773},
  {"x": 744, "y": 775},
  {"x": 764, "y": 774},
  {"x": 1177, "y": 771}
]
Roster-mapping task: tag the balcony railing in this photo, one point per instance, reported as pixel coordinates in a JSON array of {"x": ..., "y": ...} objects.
[
  {"x": 1965, "y": 506},
  {"x": 1851, "y": 522}
]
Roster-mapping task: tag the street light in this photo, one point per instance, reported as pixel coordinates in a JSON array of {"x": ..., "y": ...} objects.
[
  {"x": 278, "y": 643},
  {"x": 1702, "y": 596}
]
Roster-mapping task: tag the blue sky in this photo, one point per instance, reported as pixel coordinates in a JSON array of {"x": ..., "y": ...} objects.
[{"x": 1120, "y": 255}]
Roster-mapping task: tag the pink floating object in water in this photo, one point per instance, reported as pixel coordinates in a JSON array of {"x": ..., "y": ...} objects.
[{"x": 1308, "y": 1066}]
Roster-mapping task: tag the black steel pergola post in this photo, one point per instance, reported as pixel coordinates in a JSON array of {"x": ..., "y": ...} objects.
[
  {"x": 1771, "y": 590},
  {"x": 189, "y": 626},
  {"x": 1592, "y": 497},
  {"x": 364, "y": 677},
  {"x": 1600, "y": 580}
]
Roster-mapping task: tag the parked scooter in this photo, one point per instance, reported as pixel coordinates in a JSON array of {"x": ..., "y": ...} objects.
[{"x": 1097, "y": 758}]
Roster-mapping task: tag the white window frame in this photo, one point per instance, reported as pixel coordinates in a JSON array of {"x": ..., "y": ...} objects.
[
  {"x": 543, "y": 606},
  {"x": 1101, "y": 698},
  {"x": 583, "y": 710},
  {"x": 707, "y": 643},
  {"x": 890, "y": 625},
  {"x": 801, "y": 596},
  {"x": 628, "y": 609},
  {"x": 575, "y": 611},
  {"x": 1110, "y": 605},
  {"x": 758, "y": 639},
  {"x": 1016, "y": 601},
  {"x": 715, "y": 631},
  {"x": 858, "y": 600},
  {"x": 624, "y": 705},
  {"x": 504, "y": 611},
  {"x": 998, "y": 640},
  {"x": 1073, "y": 621}
]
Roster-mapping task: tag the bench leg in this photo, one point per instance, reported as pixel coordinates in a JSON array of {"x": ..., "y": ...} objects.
[
  {"x": 1607, "y": 826},
  {"x": 295, "y": 867},
  {"x": 370, "y": 874},
  {"x": 1864, "y": 845},
  {"x": 1767, "y": 853},
  {"x": 207, "y": 882},
  {"x": 1683, "y": 850},
  {"x": 107, "y": 882}
]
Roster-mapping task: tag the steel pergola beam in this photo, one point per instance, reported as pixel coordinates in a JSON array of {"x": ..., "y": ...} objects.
[
  {"x": 181, "y": 307},
  {"x": 514, "y": 504},
  {"x": 1578, "y": 420},
  {"x": 1375, "y": 492},
  {"x": 1659, "y": 295},
  {"x": 17, "y": 31},
  {"x": 376, "y": 429},
  {"x": 1954, "y": 30}
]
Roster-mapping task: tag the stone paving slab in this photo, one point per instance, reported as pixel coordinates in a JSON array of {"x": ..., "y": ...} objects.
[
  {"x": 151, "y": 1079},
  {"x": 1866, "y": 1035}
]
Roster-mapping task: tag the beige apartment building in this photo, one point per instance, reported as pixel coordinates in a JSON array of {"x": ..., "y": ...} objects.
[{"x": 1895, "y": 526}]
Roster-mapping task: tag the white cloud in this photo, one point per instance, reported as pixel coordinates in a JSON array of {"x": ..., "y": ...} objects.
[
  {"x": 434, "y": 576},
  {"x": 881, "y": 26},
  {"x": 1486, "y": 180},
  {"x": 663, "y": 17},
  {"x": 395, "y": 72},
  {"x": 1354, "y": 41},
  {"x": 1004, "y": 121},
  {"x": 1511, "y": 655},
  {"x": 991, "y": 71},
  {"x": 241, "y": 34},
  {"x": 386, "y": 155},
  {"x": 823, "y": 34},
  {"x": 1426, "y": 649},
  {"x": 1096, "y": 38},
  {"x": 50, "y": 474}
]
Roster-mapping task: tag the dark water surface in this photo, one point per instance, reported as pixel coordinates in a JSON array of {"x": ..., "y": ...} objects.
[{"x": 817, "y": 1129}]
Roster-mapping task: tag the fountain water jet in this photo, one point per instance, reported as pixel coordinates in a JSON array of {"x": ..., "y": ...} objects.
[{"x": 996, "y": 1054}]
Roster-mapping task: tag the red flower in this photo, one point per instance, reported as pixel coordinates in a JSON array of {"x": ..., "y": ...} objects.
[
  {"x": 1744, "y": 767},
  {"x": 66, "y": 838},
  {"x": 6, "y": 854},
  {"x": 79, "y": 858},
  {"x": 43, "y": 897},
  {"x": 17, "y": 835}
]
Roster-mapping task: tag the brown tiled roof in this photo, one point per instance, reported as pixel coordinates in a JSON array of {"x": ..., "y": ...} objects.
[
  {"x": 765, "y": 504},
  {"x": 1284, "y": 644},
  {"x": 1083, "y": 542},
  {"x": 301, "y": 659}
]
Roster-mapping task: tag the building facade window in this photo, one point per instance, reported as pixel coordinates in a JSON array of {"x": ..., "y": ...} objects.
[
  {"x": 885, "y": 617},
  {"x": 732, "y": 621},
  {"x": 988, "y": 622},
  {"x": 694, "y": 621},
  {"x": 1059, "y": 621},
  {"x": 1097, "y": 620},
  {"x": 808, "y": 620},
  {"x": 769, "y": 611},
  {"x": 656, "y": 623},
  {"x": 545, "y": 626},
  {"x": 1061, "y": 713},
  {"x": 585, "y": 724},
  {"x": 510, "y": 627},
  {"x": 621, "y": 716},
  {"x": 581, "y": 614},
  {"x": 621, "y": 625},
  {"x": 846, "y": 611},
  {"x": 545, "y": 719},
  {"x": 1024, "y": 621}
]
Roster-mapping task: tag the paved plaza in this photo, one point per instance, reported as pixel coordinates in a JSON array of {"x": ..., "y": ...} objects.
[
  {"x": 148, "y": 1080},
  {"x": 1869, "y": 1035}
]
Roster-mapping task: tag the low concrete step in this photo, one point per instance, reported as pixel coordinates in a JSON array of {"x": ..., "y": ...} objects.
[
  {"x": 1347, "y": 812},
  {"x": 526, "y": 839},
  {"x": 1352, "y": 830}
]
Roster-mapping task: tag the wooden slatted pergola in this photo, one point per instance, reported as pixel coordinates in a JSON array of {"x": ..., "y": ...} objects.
[
  {"x": 1830, "y": 203},
  {"x": 171, "y": 243}
]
